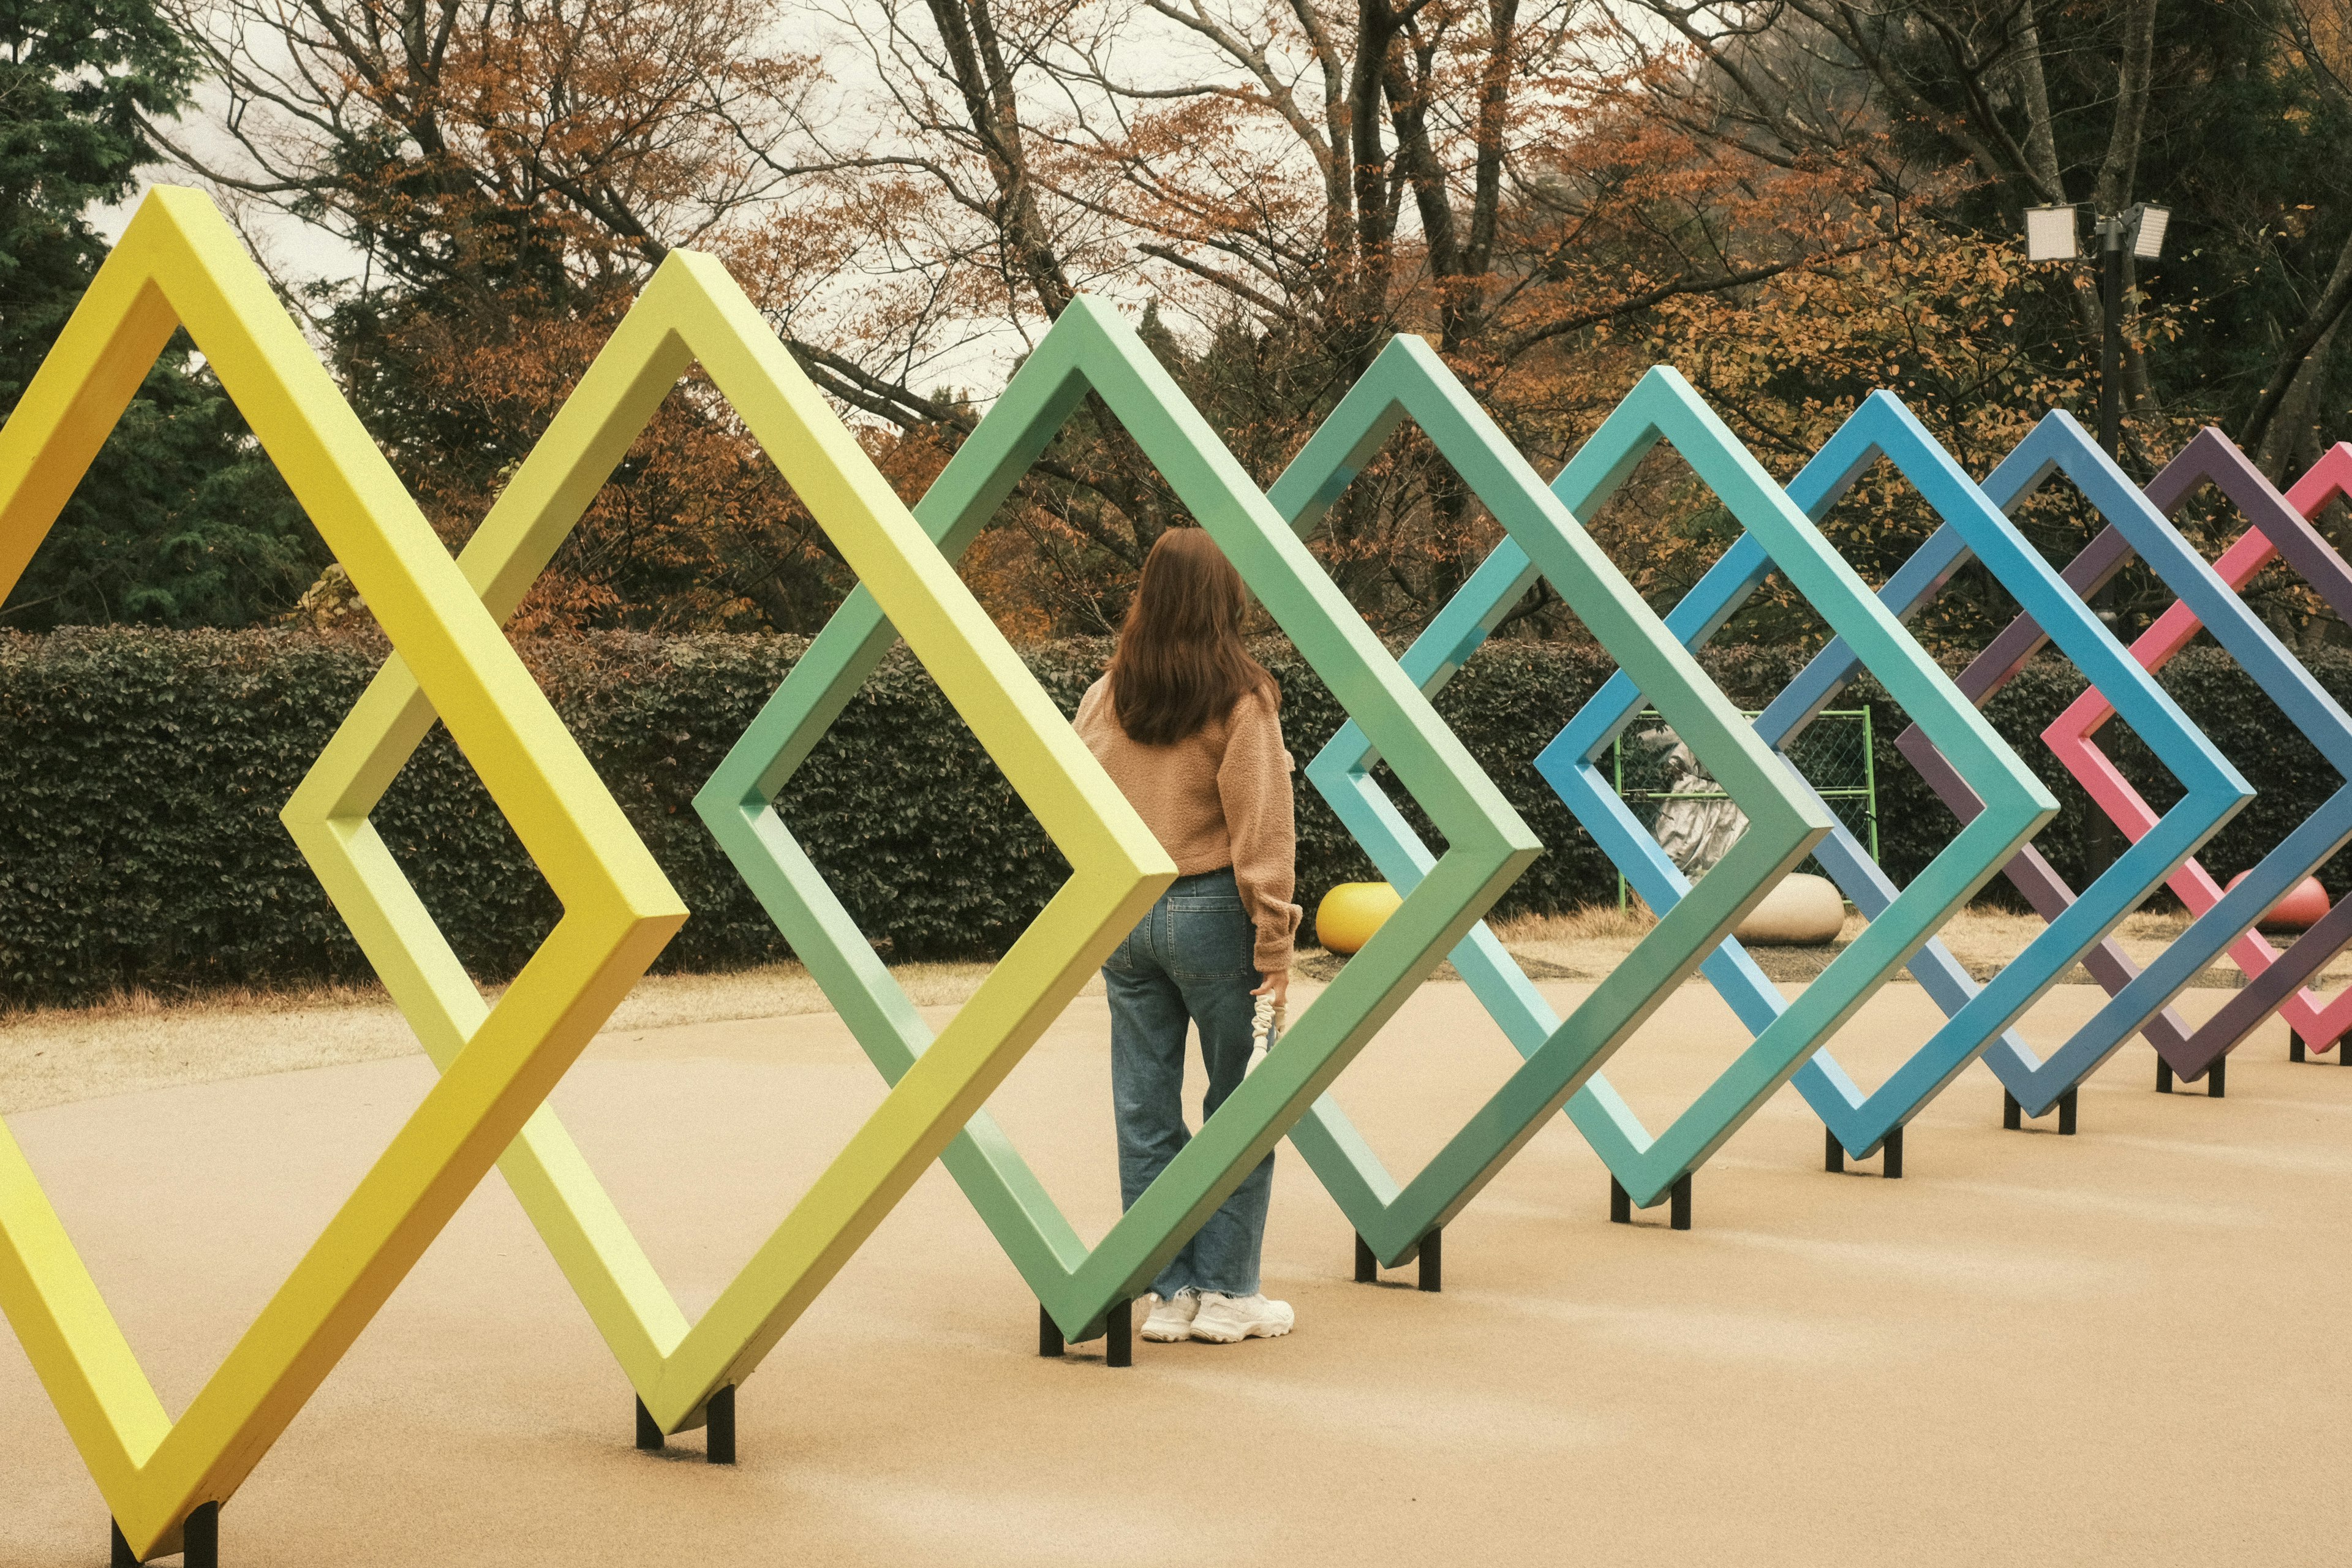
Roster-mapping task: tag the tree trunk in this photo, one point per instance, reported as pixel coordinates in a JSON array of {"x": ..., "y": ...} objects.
[{"x": 2301, "y": 353}]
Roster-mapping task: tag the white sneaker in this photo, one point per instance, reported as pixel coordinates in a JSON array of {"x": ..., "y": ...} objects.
[
  {"x": 1229, "y": 1320},
  {"x": 1171, "y": 1320}
]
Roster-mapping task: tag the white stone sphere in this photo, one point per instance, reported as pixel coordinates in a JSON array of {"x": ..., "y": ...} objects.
[{"x": 1805, "y": 910}]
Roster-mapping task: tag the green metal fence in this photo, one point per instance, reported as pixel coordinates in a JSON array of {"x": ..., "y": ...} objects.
[{"x": 1835, "y": 753}]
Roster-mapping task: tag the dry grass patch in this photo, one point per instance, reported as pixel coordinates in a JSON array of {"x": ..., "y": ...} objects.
[{"x": 1586, "y": 943}]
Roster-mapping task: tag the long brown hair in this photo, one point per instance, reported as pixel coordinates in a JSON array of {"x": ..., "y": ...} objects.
[{"x": 1181, "y": 664}]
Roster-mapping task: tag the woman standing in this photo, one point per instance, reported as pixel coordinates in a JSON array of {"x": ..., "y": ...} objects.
[{"x": 1188, "y": 725}]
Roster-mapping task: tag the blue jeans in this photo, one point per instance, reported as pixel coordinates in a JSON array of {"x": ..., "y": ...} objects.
[{"x": 1188, "y": 959}]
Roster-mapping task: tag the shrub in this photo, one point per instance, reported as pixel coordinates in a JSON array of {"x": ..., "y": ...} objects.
[{"x": 144, "y": 770}]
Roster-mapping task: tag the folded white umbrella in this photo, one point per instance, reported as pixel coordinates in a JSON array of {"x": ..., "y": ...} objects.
[{"x": 1266, "y": 1027}]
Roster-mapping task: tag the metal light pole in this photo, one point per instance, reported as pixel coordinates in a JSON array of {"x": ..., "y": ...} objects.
[
  {"x": 2111, "y": 341},
  {"x": 2050, "y": 236}
]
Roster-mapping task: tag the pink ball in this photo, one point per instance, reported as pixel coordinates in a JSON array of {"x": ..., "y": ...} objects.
[{"x": 2303, "y": 906}]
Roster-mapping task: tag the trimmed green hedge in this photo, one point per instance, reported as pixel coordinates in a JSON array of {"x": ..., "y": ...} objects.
[{"x": 143, "y": 773}]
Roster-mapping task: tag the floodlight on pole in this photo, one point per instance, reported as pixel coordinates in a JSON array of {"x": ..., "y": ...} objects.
[
  {"x": 2050, "y": 233},
  {"x": 2053, "y": 233}
]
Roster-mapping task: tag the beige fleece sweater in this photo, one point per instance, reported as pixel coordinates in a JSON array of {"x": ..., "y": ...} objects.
[{"x": 1219, "y": 797}]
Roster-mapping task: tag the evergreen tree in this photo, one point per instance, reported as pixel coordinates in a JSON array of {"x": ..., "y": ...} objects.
[{"x": 181, "y": 521}]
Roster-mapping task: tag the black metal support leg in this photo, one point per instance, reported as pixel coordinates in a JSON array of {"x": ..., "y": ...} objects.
[
  {"x": 2012, "y": 1115},
  {"x": 2294, "y": 1046},
  {"x": 1832, "y": 1152},
  {"x": 2217, "y": 1080},
  {"x": 2066, "y": 1113},
  {"x": 1118, "y": 1335},
  {"x": 1368, "y": 1268},
  {"x": 1621, "y": 1203},
  {"x": 200, "y": 1537},
  {"x": 1678, "y": 1214},
  {"x": 649, "y": 1432},
  {"x": 2163, "y": 1076},
  {"x": 1433, "y": 1260},
  {"x": 1049, "y": 1335},
  {"x": 719, "y": 1426},
  {"x": 1891, "y": 1155},
  {"x": 123, "y": 1556}
]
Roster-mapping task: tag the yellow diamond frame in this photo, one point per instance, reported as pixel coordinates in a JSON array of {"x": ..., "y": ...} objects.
[
  {"x": 691, "y": 311},
  {"x": 179, "y": 265}
]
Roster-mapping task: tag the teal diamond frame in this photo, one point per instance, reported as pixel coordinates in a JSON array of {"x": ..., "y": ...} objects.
[
  {"x": 1088, "y": 349},
  {"x": 1777, "y": 534},
  {"x": 1786, "y": 820}
]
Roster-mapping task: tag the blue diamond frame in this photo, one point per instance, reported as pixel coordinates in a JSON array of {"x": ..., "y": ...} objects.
[{"x": 1973, "y": 527}]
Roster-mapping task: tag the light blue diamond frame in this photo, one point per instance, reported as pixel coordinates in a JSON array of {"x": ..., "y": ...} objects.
[
  {"x": 1786, "y": 820},
  {"x": 1088, "y": 349},
  {"x": 1973, "y": 527},
  {"x": 1777, "y": 534}
]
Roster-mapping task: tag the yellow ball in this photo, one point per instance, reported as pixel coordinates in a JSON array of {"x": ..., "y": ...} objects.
[{"x": 1350, "y": 912}]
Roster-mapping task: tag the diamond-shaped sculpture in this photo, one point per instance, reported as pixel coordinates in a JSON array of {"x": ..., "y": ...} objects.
[
  {"x": 178, "y": 265},
  {"x": 2280, "y": 528},
  {"x": 1487, "y": 845},
  {"x": 692, "y": 310},
  {"x": 1408, "y": 380},
  {"x": 1776, "y": 535},
  {"x": 2213, "y": 791}
]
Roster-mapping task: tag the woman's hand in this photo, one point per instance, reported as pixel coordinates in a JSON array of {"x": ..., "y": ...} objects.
[{"x": 1277, "y": 985}]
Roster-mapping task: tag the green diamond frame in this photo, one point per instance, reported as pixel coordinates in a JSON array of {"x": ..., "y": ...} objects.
[{"x": 1088, "y": 349}]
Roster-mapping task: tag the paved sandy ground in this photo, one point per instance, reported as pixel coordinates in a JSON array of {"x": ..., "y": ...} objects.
[
  {"x": 55, "y": 1055},
  {"x": 2122, "y": 1347}
]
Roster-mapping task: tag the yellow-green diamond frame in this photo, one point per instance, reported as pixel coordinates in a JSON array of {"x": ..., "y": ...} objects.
[
  {"x": 179, "y": 265},
  {"x": 693, "y": 311}
]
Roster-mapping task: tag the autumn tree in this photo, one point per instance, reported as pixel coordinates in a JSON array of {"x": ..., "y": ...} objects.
[
  {"x": 1795, "y": 200},
  {"x": 1285, "y": 186},
  {"x": 2235, "y": 116},
  {"x": 511, "y": 174},
  {"x": 1278, "y": 187}
]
